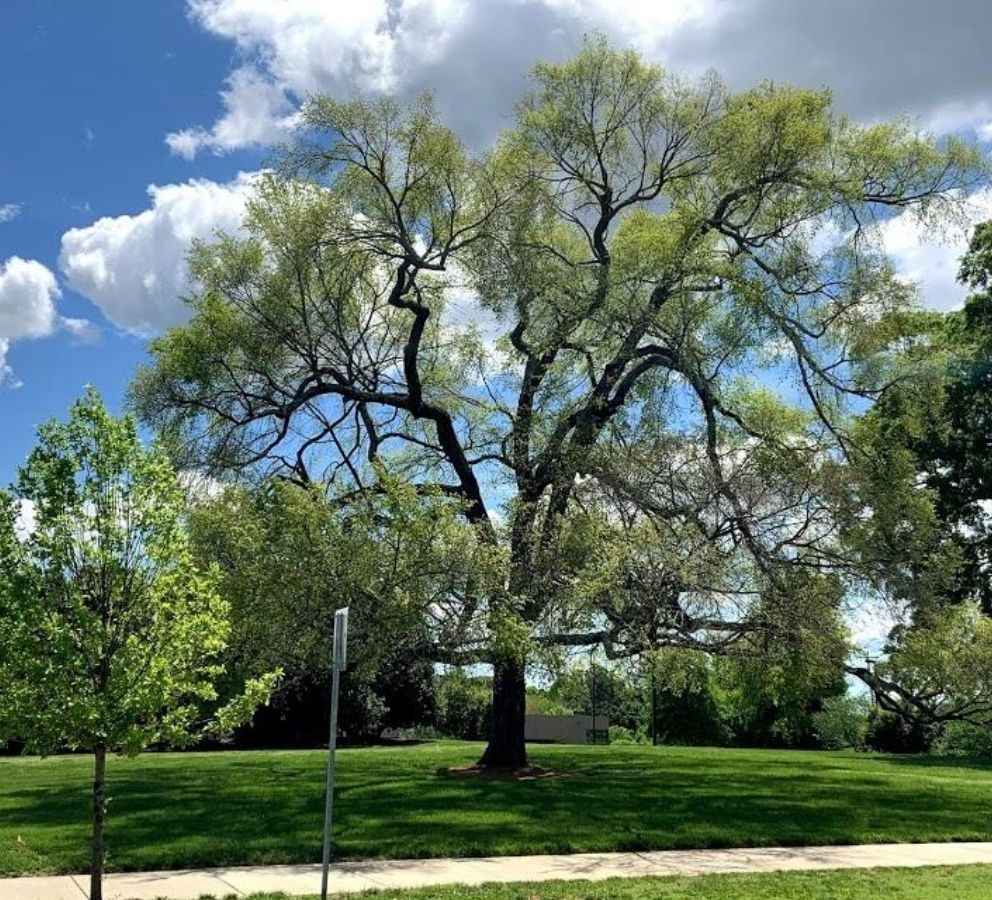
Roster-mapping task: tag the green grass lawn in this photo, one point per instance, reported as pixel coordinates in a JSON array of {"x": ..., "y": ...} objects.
[
  {"x": 190, "y": 810},
  {"x": 945, "y": 883}
]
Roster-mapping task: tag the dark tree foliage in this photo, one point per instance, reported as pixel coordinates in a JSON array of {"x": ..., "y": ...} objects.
[
  {"x": 400, "y": 695},
  {"x": 958, "y": 458},
  {"x": 934, "y": 430}
]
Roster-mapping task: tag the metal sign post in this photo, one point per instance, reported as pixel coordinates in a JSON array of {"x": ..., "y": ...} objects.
[{"x": 340, "y": 664}]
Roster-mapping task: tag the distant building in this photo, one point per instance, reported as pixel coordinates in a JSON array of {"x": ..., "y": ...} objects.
[{"x": 542, "y": 729}]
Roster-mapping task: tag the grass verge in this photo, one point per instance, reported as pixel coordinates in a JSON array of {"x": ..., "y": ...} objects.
[{"x": 937, "y": 883}]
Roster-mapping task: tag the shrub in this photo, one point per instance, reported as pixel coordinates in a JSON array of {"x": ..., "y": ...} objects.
[
  {"x": 621, "y": 735},
  {"x": 964, "y": 739},
  {"x": 889, "y": 733},
  {"x": 842, "y": 722}
]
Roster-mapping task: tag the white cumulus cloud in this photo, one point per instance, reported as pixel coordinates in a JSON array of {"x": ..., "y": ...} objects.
[
  {"x": 28, "y": 291},
  {"x": 307, "y": 43},
  {"x": 9, "y": 211},
  {"x": 476, "y": 54},
  {"x": 870, "y": 619},
  {"x": 930, "y": 260},
  {"x": 480, "y": 51},
  {"x": 133, "y": 267},
  {"x": 257, "y": 112}
]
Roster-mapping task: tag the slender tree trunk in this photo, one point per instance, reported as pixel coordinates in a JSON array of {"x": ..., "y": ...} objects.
[
  {"x": 99, "y": 817},
  {"x": 506, "y": 747},
  {"x": 654, "y": 709}
]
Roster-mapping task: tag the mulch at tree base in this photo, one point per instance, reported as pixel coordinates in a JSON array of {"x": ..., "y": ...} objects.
[{"x": 521, "y": 773}]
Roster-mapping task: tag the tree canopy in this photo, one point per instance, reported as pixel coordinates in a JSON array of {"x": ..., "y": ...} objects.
[{"x": 632, "y": 331}]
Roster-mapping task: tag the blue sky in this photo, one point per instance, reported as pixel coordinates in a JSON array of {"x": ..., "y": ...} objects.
[
  {"x": 102, "y": 99},
  {"x": 88, "y": 92}
]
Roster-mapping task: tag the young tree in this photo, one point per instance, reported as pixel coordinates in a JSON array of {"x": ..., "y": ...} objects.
[
  {"x": 111, "y": 635},
  {"x": 670, "y": 291}
]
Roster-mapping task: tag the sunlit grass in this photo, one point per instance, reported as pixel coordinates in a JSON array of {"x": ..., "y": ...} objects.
[
  {"x": 202, "y": 809},
  {"x": 945, "y": 883}
]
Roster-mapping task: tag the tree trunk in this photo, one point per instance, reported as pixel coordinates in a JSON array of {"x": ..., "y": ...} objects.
[
  {"x": 99, "y": 817},
  {"x": 506, "y": 747}
]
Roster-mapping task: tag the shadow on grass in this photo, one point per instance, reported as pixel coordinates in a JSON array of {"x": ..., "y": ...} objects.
[{"x": 216, "y": 809}]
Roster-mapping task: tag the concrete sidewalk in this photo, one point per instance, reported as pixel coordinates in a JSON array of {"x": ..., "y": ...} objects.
[{"x": 348, "y": 877}]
